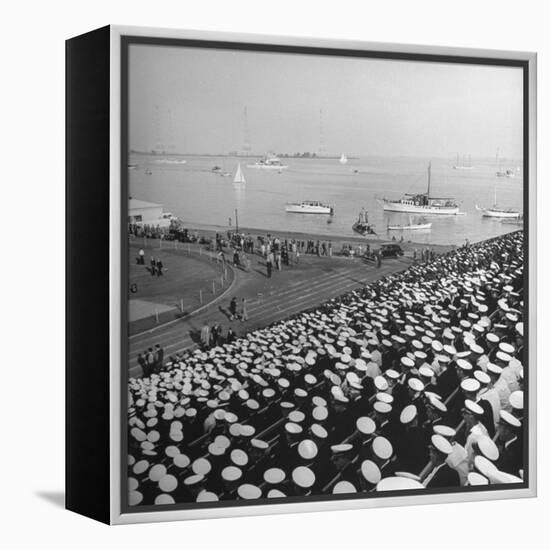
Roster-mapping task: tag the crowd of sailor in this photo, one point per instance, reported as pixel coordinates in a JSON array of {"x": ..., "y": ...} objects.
[{"x": 414, "y": 381}]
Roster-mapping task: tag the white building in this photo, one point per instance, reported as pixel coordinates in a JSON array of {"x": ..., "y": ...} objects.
[{"x": 148, "y": 213}]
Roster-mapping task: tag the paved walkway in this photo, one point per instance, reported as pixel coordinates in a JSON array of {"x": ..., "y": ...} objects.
[{"x": 265, "y": 307}]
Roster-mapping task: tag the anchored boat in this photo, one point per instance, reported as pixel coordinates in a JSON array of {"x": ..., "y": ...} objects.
[
  {"x": 309, "y": 207},
  {"x": 498, "y": 212},
  {"x": 421, "y": 203},
  {"x": 362, "y": 225},
  {"x": 411, "y": 227},
  {"x": 269, "y": 162}
]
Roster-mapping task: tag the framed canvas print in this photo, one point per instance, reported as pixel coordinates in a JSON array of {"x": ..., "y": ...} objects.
[{"x": 300, "y": 274}]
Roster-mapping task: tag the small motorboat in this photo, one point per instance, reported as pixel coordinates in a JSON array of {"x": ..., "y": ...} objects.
[
  {"x": 422, "y": 224},
  {"x": 309, "y": 207},
  {"x": 362, "y": 225},
  {"x": 410, "y": 227}
]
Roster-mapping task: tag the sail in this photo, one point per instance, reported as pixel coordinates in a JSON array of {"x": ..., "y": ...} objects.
[
  {"x": 239, "y": 176},
  {"x": 343, "y": 159}
]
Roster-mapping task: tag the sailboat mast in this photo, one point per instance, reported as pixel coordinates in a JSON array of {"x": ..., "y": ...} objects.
[{"x": 429, "y": 177}]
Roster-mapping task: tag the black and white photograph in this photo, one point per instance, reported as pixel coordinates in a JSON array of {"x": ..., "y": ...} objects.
[{"x": 325, "y": 272}]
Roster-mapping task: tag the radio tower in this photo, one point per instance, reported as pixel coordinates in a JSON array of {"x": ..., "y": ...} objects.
[
  {"x": 246, "y": 145},
  {"x": 159, "y": 145},
  {"x": 321, "y": 151}
]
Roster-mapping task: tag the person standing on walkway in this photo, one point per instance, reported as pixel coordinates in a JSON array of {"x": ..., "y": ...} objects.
[
  {"x": 233, "y": 308},
  {"x": 269, "y": 264},
  {"x": 141, "y": 255},
  {"x": 150, "y": 361},
  {"x": 205, "y": 335},
  {"x": 230, "y": 336},
  {"x": 159, "y": 268},
  {"x": 153, "y": 265},
  {"x": 159, "y": 357},
  {"x": 244, "y": 310},
  {"x": 215, "y": 335},
  {"x": 143, "y": 364}
]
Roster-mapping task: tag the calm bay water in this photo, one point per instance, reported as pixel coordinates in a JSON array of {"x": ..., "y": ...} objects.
[{"x": 192, "y": 192}]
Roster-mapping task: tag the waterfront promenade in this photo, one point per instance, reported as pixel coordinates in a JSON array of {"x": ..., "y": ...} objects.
[{"x": 295, "y": 288}]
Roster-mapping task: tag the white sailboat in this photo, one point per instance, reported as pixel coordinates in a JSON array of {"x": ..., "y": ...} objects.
[
  {"x": 497, "y": 212},
  {"x": 422, "y": 224},
  {"x": 239, "y": 178},
  {"x": 343, "y": 159}
]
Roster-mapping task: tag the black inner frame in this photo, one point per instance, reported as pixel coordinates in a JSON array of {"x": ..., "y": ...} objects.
[{"x": 126, "y": 42}]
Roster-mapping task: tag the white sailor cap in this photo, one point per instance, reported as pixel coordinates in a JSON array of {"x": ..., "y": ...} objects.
[
  {"x": 441, "y": 444},
  {"x": 307, "y": 449},
  {"x": 408, "y": 414},
  {"x": 382, "y": 448},
  {"x": 343, "y": 487},
  {"x": 231, "y": 473},
  {"x": 303, "y": 477},
  {"x": 470, "y": 385},
  {"x": 384, "y": 397},
  {"x": 504, "y": 357},
  {"x": 371, "y": 471},
  {"x": 450, "y": 350},
  {"x": 437, "y": 346},
  {"x": 168, "y": 483},
  {"x": 134, "y": 498},
  {"x": 274, "y": 476},
  {"x": 497, "y": 477},
  {"x": 366, "y": 425},
  {"x": 407, "y": 362},
  {"x": 509, "y": 419},
  {"x": 473, "y": 407},
  {"x": 318, "y": 401},
  {"x": 275, "y": 493},
  {"x": 445, "y": 431},
  {"x": 463, "y": 364},
  {"x": 475, "y": 479},
  {"x": 239, "y": 457},
  {"x": 488, "y": 447},
  {"x": 381, "y": 383},
  {"x": 245, "y": 430},
  {"x": 436, "y": 403},
  {"x": 318, "y": 431},
  {"x": 397, "y": 483},
  {"x": 507, "y": 348},
  {"x": 293, "y": 428},
  {"x": 296, "y": 416},
  {"x": 392, "y": 374},
  {"x": 482, "y": 377},
  {"x": 156, "y": 472},
  {"x": 516, "y": 400},
  {"x": 163, "y": 498},
  {"x": 341, "y": 448},
  {"x": 320, "y": 413},
  {"x": 382, "y": 408},
  {"x": 425, "y": 371},
  {"x": 181, "y": 461},
  {"x": 484, "y": 465},
  {"x": 494, "y": 369},
  {"x": 416, "y": 385},
  {"x": 247, "y": 491}
]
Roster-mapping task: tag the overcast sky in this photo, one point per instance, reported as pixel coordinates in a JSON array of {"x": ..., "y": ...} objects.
[{"x": 191, "y": 100}]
